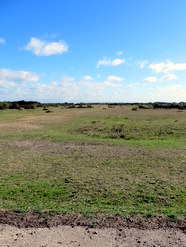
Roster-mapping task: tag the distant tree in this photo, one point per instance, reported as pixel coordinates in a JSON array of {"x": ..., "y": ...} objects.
[
  {"x": 15, "y": 105},
  {"x": 181, "y": 105},
  {"x": 4, "y": 105}
]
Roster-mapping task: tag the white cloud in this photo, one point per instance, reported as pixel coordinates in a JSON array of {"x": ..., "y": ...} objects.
[
  {"x": 167, "y": 67},
  {"x": 110, "y": 84},
  {"x": 133, "y": 86},
  {"x": 87, "y": 90},
  {"x": 6, "y": 84},
  {"x": 99, "y": 85},
  {"x": 150, "y": 79},
  {"x": 87, "y": 78},
  {"x": 18, "y": 76},
  {"x": 2, "y": 41},
  {"x": 109, "y": 89},
  {"x": 109, "y": 62},
  {"x": 70, "y": 90},
  {"x": 119, "y": 53},
  {"x": 13, "y": 87},
  {"x": 171, "y": 93},
  {"x": 171, "y": 88},
  {"x": 45, "y": 48},
  {"x": 114, "y": 78},
  {"x": 142, "y": 64},
  {"x": 68, "y": 79},
  {"x": 168, "y": 77}
]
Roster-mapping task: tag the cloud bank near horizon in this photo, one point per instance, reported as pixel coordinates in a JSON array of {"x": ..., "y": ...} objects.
[{"x": 16, "y": 85}]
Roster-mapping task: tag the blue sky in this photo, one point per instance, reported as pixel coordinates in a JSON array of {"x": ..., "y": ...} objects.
[{"x": 93, "y": 50}]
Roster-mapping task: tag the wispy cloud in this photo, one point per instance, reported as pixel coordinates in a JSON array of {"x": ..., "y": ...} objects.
[
  {"x": 46, "y": 48},
  {"x": 142, "y": 64},
  {"x": 150, "y": 79},
  {"x": 109, "y": 62},
  {"x": 171, "y": 88},
  {"x": 87, "y": 78},
  {"x": 133, "y": 85},
  {"x": 7, "y": 84},
  {"x": 114, "y": 78},
  {"x": 2, "y": 41},
  {"x": 119, "y": 53},
  {"x": 171, "y": 93},
  {"x": 110, "y": 84},
  {"x": 167, "y": 67},
  {"x": 70, "y": 89},
  {"x": 99, "y": 86},
  {"x": 168, "y": 77}
]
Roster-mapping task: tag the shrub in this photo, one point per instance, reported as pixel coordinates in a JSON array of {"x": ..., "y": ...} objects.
[
  {"x": 4, "y": 105},
  {"x": 135, "y": 109},
  {"x": 15, "y": 105}
]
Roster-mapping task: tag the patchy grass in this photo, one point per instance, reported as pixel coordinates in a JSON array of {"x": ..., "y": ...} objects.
[
  {"x": 68, "y": 161},
  {"x": 117, "y": 125},
  {"x": 148, "y": 131}
]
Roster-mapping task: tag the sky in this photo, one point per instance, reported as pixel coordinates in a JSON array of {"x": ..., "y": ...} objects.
[{"x": 93, "y": 50}]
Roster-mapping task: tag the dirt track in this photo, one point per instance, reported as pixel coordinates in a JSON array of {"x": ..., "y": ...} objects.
[{"x": 83, "y": 236}]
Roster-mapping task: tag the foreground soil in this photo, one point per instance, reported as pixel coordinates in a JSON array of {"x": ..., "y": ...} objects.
[
  {"x": 31, "y": 230},
  {"x": 85, "y": 236}
]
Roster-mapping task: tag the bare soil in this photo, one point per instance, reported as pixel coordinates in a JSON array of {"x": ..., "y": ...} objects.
[
  {"x": 74, "y": 230},
  {"x": 84, "y": 236},
  {"x": 36, "y": 220}
]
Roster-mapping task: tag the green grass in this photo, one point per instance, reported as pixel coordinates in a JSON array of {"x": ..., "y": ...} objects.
[
  {"x": 153, "y": 131},
  {"x": 68, "y": 161}
]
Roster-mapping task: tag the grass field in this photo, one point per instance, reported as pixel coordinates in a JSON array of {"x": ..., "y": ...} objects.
[{"x": 109, "y": 161}]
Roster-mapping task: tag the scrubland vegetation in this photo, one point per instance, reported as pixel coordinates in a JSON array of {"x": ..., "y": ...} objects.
[{"x": 94, "y": 160}]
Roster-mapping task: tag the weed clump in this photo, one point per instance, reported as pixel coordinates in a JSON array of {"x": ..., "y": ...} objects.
[
  {"x": 127, "y": 129},
  {"x": 134, "y": 108}
]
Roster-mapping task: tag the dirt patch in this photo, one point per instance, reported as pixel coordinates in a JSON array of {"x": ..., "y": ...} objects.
[
  {"x": 74, "y": 230},
  {"x": 84, "y": 236},
  {"x": 85, "y": 149},
  {"x": 74, "y": 219},
  {"x": 25, "y": 126}
]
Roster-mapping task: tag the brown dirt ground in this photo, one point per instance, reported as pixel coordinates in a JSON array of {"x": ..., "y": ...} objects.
[
  {"x": 72, "y": 230},
  {"x": 84, "y": 236}
]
